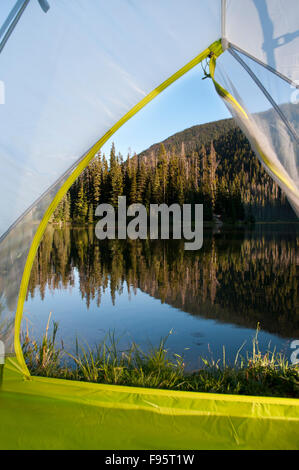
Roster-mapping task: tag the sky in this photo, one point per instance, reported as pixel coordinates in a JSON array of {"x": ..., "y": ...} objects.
[{"x": 187, "y": 102}]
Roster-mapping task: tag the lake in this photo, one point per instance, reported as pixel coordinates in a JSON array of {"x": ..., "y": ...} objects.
[{"x": 208, "y": 299}]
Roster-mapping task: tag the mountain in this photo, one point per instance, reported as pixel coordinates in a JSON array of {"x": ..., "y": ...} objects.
[
  {"x": 194, "y": 137},
  {"x": 202, "y": 134},
  {"x": 236, "y": 163}
]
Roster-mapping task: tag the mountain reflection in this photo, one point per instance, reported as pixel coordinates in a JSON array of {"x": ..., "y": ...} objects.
[{"x": 240, "y": 276}]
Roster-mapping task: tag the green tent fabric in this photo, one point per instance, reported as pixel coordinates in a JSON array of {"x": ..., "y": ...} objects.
[
  {"x": 47, "y": 413},
  {"x": 72, "y": 73}
]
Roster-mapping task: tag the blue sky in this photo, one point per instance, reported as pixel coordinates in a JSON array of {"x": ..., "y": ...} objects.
[{"x": 188, "y": 102}]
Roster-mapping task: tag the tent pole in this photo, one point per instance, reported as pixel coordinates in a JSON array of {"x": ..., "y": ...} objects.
[
  {"x": 14, "y": 17},
  {"x": 263, "y": 64},
  {"x": 267, "y": 95},
  {"x": 12, "y": 21},
  {"x": 223, "y": 25}
]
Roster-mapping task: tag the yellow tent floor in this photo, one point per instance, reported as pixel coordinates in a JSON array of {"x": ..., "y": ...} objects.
[{"x": 47, "y": 413}]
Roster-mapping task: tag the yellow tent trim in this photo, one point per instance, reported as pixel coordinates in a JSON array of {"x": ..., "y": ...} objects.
[
  {"x": 216, "y": 49},
  {"x": 222, "y": 92}
]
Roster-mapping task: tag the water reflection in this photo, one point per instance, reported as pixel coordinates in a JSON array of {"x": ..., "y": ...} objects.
[{"x": 239, "y": 277}]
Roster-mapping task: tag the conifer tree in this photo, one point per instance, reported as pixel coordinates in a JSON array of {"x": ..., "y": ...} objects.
[{"x": 81, "y": 207}]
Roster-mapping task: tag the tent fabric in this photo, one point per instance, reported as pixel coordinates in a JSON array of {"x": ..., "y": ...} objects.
[
  {"x": 268, "y": 31},
  {"x": 84, "y": 65},
  {"x": 51, "y": 414},
  {"x": 270, "y": 120},
  {"x": 72, "y": 77}
]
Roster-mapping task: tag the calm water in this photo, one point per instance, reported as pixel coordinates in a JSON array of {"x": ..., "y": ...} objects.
[{"x": 144, "y": 289}]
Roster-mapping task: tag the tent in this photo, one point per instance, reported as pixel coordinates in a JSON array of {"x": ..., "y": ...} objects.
[{"x": 71, "y": 74}]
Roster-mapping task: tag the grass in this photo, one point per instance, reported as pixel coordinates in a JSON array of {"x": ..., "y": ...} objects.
[{"x": 257, "y": 374}]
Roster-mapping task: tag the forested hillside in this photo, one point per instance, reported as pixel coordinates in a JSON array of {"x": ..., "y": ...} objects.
[
  {"x": 211, "y": 164},
  {"x": 237, "y": 166}
]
